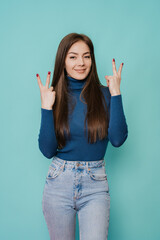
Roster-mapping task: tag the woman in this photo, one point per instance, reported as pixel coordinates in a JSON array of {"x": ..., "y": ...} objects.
[{"x": 78, "y": 117}]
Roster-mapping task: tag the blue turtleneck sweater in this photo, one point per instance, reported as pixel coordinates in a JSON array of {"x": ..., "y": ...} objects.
[{"x": 78, "y": 148}]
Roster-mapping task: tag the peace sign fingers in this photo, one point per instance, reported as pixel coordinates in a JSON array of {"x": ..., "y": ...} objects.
[
  {"x": 47, "y": 93},
  {"x": 114, "y": 68}
]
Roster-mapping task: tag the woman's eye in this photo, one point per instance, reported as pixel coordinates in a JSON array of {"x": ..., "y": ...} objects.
[{"x": 85, "y": 57}]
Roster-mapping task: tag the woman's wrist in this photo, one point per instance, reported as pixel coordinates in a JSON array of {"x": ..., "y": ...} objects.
[
  {"x": 115, "y": 93},
  {"x": 46, "y": 107}
]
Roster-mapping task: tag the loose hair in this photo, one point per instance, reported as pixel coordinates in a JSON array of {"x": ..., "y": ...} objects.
[{"x": 97, "y": 113}]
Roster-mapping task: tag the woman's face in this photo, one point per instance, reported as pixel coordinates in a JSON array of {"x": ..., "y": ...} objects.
[{"x": 78, "y": 60}]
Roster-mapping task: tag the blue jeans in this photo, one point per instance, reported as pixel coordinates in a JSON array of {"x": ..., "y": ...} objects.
[{"x": 76, "y": 187}]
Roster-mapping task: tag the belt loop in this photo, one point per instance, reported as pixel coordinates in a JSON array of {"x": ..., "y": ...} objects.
[
  {"x": 87, "y": 166},
  {"x": 88, "y": 169}
]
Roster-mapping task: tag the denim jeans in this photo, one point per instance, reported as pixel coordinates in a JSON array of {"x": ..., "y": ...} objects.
[{"x": 76, "y": 187}]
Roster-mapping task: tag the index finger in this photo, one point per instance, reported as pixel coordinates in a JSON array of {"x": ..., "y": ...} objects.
[
  {"x": 39, "y": 81},
  {"x": 114, "y": 66}
]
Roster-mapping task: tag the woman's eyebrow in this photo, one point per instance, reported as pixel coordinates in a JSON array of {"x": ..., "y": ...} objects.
[{"x": 77, "y": 53}]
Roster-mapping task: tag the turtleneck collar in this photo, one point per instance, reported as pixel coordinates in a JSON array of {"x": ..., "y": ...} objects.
[{"x": 74, "y": 83}]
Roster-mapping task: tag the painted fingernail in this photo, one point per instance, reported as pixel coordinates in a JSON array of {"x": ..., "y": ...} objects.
[
  {"x": 49, "y": 73},
  {"x": 37, "y": 74},
  {"x": 113, "y": 60},
  {"x": 122, "y": 64}
]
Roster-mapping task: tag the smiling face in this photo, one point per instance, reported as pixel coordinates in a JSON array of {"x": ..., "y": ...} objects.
[{"x": 78, "y": 60}]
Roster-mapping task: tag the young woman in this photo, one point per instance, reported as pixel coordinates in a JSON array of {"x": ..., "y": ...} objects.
[{"x": 78, "y": 117}]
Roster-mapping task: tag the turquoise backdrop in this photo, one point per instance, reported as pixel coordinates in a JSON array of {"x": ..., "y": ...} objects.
[{"x": 128, "y": 31}]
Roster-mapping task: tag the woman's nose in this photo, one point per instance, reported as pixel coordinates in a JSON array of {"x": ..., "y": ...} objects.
[{"x": 80, "y": 61}]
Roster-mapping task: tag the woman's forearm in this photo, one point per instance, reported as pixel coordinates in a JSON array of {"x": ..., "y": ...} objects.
[
  {"x": 118, "y": 129},
  {"x": 47, "y": 139}
]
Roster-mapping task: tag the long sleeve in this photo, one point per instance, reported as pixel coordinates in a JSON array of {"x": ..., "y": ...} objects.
[
  {"x": 118, "y": 129},
  {"x": 47, "y": 139}
]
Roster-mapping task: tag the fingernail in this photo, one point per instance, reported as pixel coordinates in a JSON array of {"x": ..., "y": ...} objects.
[
  {"x": 113, "y": 60},
  {"x": 49, "y": 73},
  {"x": 37, "y": 74},
  {"x": 122, "y": 64}
]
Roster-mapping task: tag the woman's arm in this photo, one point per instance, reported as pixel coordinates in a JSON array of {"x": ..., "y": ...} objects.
[
  {"x": 118, "y": 128},
  {"x": 47, "y": 139}
]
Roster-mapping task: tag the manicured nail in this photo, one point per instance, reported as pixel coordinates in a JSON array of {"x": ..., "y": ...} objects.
[
  {"x": 122, "y": 64},
  {"x": 49, "y": 73},
  {"x": 37, "y": 74},
  {"x": 113, "y": 60}
]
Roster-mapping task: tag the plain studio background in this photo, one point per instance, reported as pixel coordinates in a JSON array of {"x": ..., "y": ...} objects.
[{"x": 30, "y": 34}]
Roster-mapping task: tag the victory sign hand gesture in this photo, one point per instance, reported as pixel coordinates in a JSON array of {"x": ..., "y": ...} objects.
[
  {"x": 47, "y": 94},
  {"x": 113, "y": 82}
]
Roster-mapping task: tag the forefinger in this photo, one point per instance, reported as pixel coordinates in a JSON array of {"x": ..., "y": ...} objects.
[
  {"x": 114, "y": 66},
  {"x": 39, "y": 81}
]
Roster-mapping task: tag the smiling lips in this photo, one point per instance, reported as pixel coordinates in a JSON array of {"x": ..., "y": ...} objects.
[{"x": 80, "y": 70}]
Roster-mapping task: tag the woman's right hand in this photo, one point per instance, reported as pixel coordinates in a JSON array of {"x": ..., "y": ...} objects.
[{"x": 47, "y": 94}]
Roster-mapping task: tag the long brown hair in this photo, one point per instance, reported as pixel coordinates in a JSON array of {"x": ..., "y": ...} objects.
[{"x": 97, "y": 113}]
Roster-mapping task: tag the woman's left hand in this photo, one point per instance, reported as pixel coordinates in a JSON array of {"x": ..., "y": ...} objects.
[{"x": 113, "y": 82}]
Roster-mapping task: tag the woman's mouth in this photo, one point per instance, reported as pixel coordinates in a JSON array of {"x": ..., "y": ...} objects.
[{"x": 80, "y": 70}]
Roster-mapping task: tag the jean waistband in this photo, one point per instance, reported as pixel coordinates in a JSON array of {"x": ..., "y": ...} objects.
[{"x": 96, "y": 163}]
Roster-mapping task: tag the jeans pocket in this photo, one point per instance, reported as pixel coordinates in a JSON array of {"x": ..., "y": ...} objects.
[
  {"x": 98, "y": 173},
  {"x": 54, "y": 170}
]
